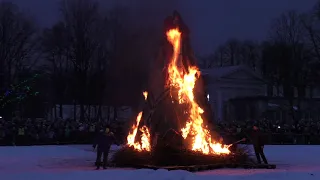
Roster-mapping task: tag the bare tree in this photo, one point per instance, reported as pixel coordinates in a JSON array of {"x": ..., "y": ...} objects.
[
  {"x": 311, "y": 23},
  {"x": 85, "y": 28},
  {"x": 17, "y": 43},
  {"x": 17, "y": 35},
  {"x": 219, "y": 57},
  {"x": 289, "y": 44},
  {"x": 55, "y": 48},
  {"x": 235, "y": 52},
  {"x": 232, "y": 48},
  {"x": 288, "y": 28},
  {"x": 226, "y": 54},
  {"x": 250, "y": 54},
  {"x": 288, "y": 31}
]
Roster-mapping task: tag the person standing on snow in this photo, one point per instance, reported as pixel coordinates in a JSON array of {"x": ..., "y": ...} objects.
[
  {"x": 258, "y": 145},
  {"x": 104, "y": 141}
]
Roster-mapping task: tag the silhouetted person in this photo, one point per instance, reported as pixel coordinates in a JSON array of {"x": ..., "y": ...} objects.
[
  {"x": 104, "y": 141},
  {"x": 258, "y": 144}
]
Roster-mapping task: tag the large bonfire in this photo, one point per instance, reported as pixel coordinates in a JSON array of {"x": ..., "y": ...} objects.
[{"x": 181, "y": 82}]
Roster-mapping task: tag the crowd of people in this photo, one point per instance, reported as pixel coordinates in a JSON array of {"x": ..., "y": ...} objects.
[
  {"x": 60, "y": 131},
  {"x": 41, "y": 132},
  {"x": 302, "y": 132}
]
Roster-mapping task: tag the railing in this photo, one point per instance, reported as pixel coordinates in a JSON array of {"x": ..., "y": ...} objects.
[{"x": 87, "y": 138}]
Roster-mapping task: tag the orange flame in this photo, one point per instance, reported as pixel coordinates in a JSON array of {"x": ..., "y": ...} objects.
[
  {"x": 145, "y": 94},
  {"x": 185, "y": 83},
  {"x": 144, "y": 144}
]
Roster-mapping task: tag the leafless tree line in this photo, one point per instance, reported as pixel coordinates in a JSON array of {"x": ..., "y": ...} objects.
[
  {"x": 94, "y": 56},
  {"x": 288, "y": 59},
  {"x": 90, "y": 57},
  {"x": 18, "y": 46}
]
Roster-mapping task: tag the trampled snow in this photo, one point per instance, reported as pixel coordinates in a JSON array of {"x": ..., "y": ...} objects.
[{"x": 76, "y": 162}]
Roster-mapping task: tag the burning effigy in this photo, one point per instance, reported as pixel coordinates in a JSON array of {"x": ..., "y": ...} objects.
[{"x": 173, "y": 130}]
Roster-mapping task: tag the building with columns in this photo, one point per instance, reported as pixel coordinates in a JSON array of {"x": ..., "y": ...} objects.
[
  {"x": 226, "y": 83},
  {"x": 239, "y": 93}
]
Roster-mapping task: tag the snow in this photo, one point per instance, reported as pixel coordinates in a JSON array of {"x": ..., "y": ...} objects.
[{"x": 76, "y": 162}]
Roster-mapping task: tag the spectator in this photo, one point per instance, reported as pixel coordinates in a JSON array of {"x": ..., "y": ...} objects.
[{"x": 35, "y": 131}]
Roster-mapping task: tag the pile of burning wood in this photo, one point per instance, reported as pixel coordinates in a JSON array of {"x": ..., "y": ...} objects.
[
  {"x": 178, "y": 133},
  {"x": 163, "y": 155}
]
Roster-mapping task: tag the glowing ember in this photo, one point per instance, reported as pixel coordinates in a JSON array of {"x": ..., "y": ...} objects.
[{"x": 185, "y": 83}]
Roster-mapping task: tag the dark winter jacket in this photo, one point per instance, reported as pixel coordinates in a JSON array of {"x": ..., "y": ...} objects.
[
  {"x": 257, "y": 138},
  {"x": 104, "y": 141}
]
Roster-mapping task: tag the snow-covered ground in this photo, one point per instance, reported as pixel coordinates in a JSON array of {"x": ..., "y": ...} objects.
[{"x": 75, "y": 162}]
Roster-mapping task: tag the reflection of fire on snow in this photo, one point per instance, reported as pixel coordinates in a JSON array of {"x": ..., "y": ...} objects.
[{"x": 184, "y": 83}]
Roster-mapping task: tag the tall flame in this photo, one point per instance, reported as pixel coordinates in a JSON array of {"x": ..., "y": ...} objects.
[{"x": 185, "y": 83}]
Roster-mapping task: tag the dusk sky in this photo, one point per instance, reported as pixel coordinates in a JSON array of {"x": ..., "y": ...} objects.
[{"x": 212, "y": 22}]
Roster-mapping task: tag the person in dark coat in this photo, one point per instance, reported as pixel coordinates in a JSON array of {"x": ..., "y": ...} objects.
[
  {"x": 258, "y": 145},
  {"x": 104, "y": 141}
]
